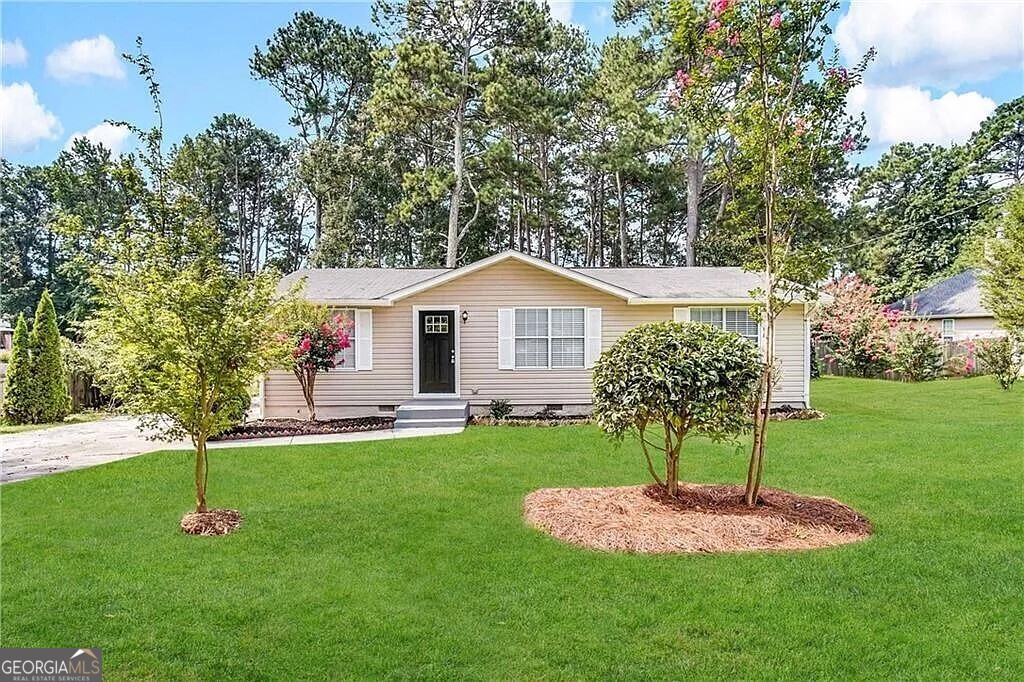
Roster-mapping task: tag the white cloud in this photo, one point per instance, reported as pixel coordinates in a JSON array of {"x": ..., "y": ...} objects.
[
  {"x": 13, "y": 53},
  {"x": 81, "y": 59},
  {"x": 107, "y": 134},
  {"x": 925, "y": 42},
  {"x": 24, "y": 122},
  {"x": 561, "y": 10},
  {"x": 910, "y": 114}
]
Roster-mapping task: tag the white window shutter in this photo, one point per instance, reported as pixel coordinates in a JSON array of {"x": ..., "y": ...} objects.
[
  {"x": 364, "y": 339},
  {"x": 506, "y": 338},
  {"x": 680, "y": 314},
  {"x": 592, "y": 348}
]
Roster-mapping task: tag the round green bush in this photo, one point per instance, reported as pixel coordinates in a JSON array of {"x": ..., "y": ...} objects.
[{"x": 682, "y": 379}]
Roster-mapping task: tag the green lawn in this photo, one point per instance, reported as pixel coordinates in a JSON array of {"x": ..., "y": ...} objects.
[
  {"x": 409, "y": 559},
  {"x": 77, "y": 418}
]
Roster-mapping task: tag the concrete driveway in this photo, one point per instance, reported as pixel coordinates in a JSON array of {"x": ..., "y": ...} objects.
[{"x": 75, "y": 446}]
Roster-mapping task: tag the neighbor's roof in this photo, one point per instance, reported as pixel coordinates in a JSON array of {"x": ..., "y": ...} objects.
[
  {"x": 956, "y": 296},
  {"x": 384, "y": 286}
]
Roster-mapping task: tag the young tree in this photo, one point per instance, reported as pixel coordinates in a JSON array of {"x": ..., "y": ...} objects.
[
  {"x": 1002, "y": 359},
  {"x": 192, "y": 335},
  {"x": 858, "y": 330},
  {"x": 182, "y": 335},
  {"x": 666, "y": 381},
  {"x": 1002, "y": 278},
  {"x": 51, "y": 401},
  {"x": 313, "y": 340},
  {"x": 791, "y": 131},
  {"x": 19, "y": 385}
]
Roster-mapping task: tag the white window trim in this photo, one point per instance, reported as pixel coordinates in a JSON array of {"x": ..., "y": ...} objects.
[
  {"x": 952, "y": 328},
  {"x": 549, "y": 338},
  {"x": 349, "y": 313},
  {"x": 724, "y": 309}
]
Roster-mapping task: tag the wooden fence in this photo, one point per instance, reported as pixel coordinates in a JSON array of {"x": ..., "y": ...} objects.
[{"x": 950, "y": 350}]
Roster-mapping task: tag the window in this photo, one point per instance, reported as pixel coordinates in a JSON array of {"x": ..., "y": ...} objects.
[
  {"x": 730, "y": 319},
  {"x": 346, "y": 357},
  {"x": 436, "y": 324},
  {"x": 549, "y": 337},
  {"x": 948, "y": 328}
]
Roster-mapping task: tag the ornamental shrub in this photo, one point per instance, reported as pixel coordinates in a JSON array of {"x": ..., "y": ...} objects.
[
  {"x": 51, "y": 402},
  {"x": 1000, "y": 357},
  {"x": 18, "y": 386},
  {"x": 500, "y": 409},
  {"x": 917, "y": 355},
  {"x": 666, "y": 381},
  {"x": 858, "y": 331}
]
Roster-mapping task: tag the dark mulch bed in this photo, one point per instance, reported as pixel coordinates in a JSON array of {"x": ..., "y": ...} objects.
[
  {"x": 212, "y": 522},
  {"x": 274, "y": 428},
  {"x": 786, "y": 412},
  {"x": 554, "y": 420},
  {"x": 729, "y": 499}
]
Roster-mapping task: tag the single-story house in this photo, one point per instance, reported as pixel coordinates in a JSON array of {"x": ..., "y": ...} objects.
[
  {"x": 953, "y": 308},
  {"x": 512, "y": 327}
]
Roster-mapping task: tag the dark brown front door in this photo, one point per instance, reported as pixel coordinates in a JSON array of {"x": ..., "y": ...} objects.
[{"x": 437, "y": 351}]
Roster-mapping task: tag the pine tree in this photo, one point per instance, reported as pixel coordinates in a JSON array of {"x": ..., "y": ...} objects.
[
  {"x": 18, "y": 387},
  {"x": 51, "y": 402}
]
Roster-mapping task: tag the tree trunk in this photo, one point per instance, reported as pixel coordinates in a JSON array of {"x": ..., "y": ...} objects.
[
  {"x": 201, "y": 474},
  {"x": 319, "y": 219},
  {"x": 307, "y": 379},
  {"x": 623, "y": 237},
  {"x": 694, "y": 183}
]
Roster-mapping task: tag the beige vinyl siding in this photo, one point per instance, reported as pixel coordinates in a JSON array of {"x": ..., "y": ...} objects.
[
  {"x": 965, "y": 328},
  {"x": 506, "y": 284}
]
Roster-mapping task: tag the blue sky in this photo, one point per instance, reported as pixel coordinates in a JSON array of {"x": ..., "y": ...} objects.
[{"x": 942, "y": 66}]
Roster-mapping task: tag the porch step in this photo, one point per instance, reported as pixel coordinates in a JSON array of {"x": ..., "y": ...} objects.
[{"x": 426, "y": 413}]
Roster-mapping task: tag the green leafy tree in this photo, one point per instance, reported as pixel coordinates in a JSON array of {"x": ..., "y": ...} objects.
[
  {"x": 1002, "y": 278},
  {"x": 791, "y": 132},
  {"x": 182, "y": 335},
  {"x": 996, "y": 150},
  {"x": 324, "y": 71},
  {"x": 19, "y": 387},
  {"x": 666, "y": 381},
  {"x": 435, "y": 80},
  {"x": 1001, "y": 357},
  {"x": 51, "y": 402},
  {"x": 922, "y": 207}
]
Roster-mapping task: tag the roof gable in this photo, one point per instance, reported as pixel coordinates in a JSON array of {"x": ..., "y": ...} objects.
[{"x": 575, "y": 275}]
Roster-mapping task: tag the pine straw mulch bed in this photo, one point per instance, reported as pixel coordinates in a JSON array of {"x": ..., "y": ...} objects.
[
  {"x": 275, "y": 428},
  {"x": 212, "y": 522},
  {"x": 704, "y": 518}
]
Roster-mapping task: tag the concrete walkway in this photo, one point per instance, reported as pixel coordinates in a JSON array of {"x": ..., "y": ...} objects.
[{"x": 76, "y": 446}]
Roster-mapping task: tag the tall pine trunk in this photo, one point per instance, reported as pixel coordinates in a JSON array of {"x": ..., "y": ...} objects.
[
  {"x": 694, "y": 182},
  {"x": 623, "y": 236}
]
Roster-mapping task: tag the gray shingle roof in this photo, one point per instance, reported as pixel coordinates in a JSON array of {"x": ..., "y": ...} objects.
[
  {"x": 325, "y": 284},
  {"x": 350, "y": 284},
  {"x": 679, "y": 282},
  {"x": 958, "y": 295}
]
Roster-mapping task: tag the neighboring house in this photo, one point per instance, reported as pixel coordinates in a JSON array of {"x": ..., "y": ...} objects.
[
  {"x": 513, "y": 327},
  {"x": 953, "y": 308}
]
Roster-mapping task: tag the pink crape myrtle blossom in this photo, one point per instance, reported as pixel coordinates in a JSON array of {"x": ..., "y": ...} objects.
[
  {"x": 847, "y": 144},
  {"x": 713, "y": 26},
  {"x": 316, "y": 350},
  {"x": 776, "y": 20},
  {"x": 734, "y": 38},
  {"x": 718, "y": 7}
]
